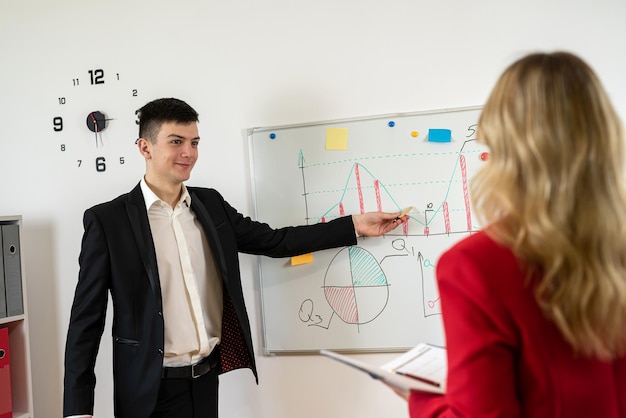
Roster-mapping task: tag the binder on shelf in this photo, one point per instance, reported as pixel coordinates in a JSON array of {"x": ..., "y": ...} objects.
[
  {"x": 6, "y": 406},
  {"x": 12, "y": 269},
  {"x": 3, "y": 297}
]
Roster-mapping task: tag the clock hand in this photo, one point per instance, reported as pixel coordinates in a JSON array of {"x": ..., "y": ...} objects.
[
  {"x": 95, "y": 131},
  {"x": 95, "y": 125}
]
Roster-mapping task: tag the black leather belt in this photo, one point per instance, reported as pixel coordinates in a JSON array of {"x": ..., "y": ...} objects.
[{"x": 195, "y": 370}]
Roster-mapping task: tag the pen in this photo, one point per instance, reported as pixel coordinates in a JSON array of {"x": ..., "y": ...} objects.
[
  {"x": 404, "y": 212},
  {"x": 421, "y": 379}
]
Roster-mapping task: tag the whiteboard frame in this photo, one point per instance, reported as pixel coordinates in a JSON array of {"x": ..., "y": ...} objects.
[{"x": 251, "y": 132}]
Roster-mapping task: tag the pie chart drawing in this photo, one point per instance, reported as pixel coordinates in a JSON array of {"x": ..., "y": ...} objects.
[{"x": 355, "y": 286}]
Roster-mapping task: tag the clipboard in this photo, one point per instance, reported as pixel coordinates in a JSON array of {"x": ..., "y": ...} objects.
[{"x": 423, "y": 368}]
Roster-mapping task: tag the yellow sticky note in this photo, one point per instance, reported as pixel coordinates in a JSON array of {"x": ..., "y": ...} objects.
[
  {"x": 302, "y": 259},
  {"x": 337, "y": 139}
]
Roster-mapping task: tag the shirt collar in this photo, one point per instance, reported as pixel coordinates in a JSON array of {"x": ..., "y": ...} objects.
[{"x": 150, "y": 198}]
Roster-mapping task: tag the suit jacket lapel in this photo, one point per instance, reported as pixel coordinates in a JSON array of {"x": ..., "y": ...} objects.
[
  {"x": 138, "y": 217},
  {"x": 211, "y": 233}
]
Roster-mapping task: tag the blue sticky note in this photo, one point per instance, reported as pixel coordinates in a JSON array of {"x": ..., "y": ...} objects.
[{"x": 439, "y": 135}]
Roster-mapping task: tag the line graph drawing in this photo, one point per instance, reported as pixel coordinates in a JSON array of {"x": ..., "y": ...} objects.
[{"x": 360, "y": 182}]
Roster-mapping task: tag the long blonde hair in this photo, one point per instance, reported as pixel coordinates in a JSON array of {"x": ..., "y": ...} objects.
[{"x": 554, "y": 191}]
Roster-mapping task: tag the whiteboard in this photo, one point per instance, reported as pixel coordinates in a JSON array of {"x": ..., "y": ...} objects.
[{"x": 381, "y": 294}]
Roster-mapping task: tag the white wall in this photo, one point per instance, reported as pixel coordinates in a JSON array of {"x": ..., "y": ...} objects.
[{"x": 243, "y": 64}]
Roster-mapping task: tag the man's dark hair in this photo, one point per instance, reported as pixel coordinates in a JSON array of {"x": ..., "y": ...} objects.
[{"x": 152, "y": 115}]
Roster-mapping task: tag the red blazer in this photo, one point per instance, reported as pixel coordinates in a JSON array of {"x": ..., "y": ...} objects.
[
  {"x": 505, "y": 358},
  {"x": 118, "y": 258}
]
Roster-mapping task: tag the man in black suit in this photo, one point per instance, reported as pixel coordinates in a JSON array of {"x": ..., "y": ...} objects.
[{"x": 168, "y": 255}]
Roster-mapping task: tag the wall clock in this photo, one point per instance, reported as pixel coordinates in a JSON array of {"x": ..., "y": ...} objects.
[{"x": 95, "y": 123}]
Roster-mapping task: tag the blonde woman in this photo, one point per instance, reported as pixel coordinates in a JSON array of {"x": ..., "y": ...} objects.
[{"x": 534, "y": 306}]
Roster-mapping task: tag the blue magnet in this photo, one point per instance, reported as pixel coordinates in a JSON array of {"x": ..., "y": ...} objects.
[
  {"x": 391, "y": 124},
  {"x": 272, "y": 135},
  {"x": 439, "y": 135}
]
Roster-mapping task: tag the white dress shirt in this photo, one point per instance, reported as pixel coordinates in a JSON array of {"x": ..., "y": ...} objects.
[{"x": 191, "y": 287}]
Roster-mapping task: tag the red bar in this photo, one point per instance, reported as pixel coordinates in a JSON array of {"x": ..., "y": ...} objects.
[
  {"x": 468, "y": 213},
  {"x": 446, "y": 217},
  {"x": 358, "y": 188},
  {"x": 379, "y": 205}
]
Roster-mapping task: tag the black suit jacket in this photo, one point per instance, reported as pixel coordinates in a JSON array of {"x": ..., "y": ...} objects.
[{"x": 118, "y": 257}]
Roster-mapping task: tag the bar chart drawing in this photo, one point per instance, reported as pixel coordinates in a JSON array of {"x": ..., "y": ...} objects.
[
  {"x": 362, "y": 184},
  {"x": 366, "y": 296}
]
